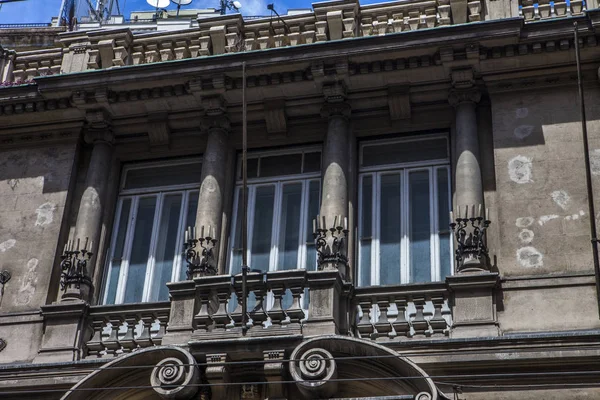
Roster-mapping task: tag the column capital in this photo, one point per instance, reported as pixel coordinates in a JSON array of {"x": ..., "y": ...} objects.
[
  {"x": 459, "y": 96},
  {"x": 98, "y": 127},
  {"x": 218, "y": 122},
  {"x": 214, "y": 105},
  {"x": 341, "y": 109}
]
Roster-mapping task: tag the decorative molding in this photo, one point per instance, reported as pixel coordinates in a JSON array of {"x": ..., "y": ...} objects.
[
  {"x": 275, "y": 117},
  {"x": 459, "y": 96},
  {"x": 158, "y": 128},
  {"x": 399, "y": 102}
]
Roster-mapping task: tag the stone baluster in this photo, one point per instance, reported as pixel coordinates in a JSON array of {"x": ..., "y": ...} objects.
[
  {"x": 145, "y": 338},
  {"x": 163, "y": 322},
  {"x": 365, "y": 327},
  {"x": 237, "y": 315},
  {"x": 91, "y": 207},
  {"x": 401, "y": 325},
  {"x": 419, "y": 323},
  {"x": 295, "y": 284},
  {"x": 95, "y": 346},
  {"x": 383, "y": 325},
  {"x": 203, "y": 320},
  {"x": 277, "y": 287},
  {"x": 223, "y": 292},
  {"x": 112, "y": 343},
  {"x": 437, "y": 323},
  {"x": 128, "y": 341},
  {"x": 257, "y": 312}
]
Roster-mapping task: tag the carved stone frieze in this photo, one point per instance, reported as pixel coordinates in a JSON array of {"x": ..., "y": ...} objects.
[
  {"x": 399, "y": 102},
  {"x": 275, "y": 116},
  {"x": 158, "y": 128}
]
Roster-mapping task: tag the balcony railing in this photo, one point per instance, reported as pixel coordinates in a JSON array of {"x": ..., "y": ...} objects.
[
  {"x": 544, "y": 9},
  {"x": 402, "y": 312},
  {"x": 123, "y": 328}
]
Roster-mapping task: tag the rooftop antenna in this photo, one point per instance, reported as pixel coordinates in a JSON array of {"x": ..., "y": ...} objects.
[
  {"x": 158, "y": 4},
  {"x": 271, "y": 7},
  {"x": 181, "y": 3},
  {"x": 232, "y": 5}
]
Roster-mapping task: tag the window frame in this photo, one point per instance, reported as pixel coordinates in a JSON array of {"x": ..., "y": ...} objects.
[
  {"x": 135, "y": 195},
  {"x": 403, "y": 170},
  {"x": 278, "y": 181}
]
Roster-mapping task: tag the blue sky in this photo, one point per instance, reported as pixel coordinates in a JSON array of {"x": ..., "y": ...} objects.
[{"x": 44, "y": 10}]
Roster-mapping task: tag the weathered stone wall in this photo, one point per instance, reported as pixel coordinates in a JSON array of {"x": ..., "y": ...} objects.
[
  {"x": 34, "y": 184},
  {"x": 543, "y": 217}
]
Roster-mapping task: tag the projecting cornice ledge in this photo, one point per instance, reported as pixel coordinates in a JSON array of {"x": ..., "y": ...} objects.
[{"x": 482, "y": 32}]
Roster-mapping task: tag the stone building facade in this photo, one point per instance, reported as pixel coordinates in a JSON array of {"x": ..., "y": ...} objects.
[{"x": 418, "y": 220}]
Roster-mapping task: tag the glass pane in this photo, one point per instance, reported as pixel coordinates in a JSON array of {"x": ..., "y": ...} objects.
[
  {"x": 163, "y": 175},
  {"x": 420, "y": 228},
  {"x": 312, "y": 162},
  {"x": 289, "y": 226},
  {"x": 314, "y": 189},
  {"x": 115, "y": 266},
  {"x": 406, "y": 151},
  {"x": 389, "y": 231},
  {"x": 166, "y": 246},
  {"x": 252, "y": 168},
  {"x": 190, "y": 220},
  {"x": 366, "y": 232},
  {"x": 286, "y": 164},
  {"x": 139, "y": 250},
  {"x": 262, "y": 227},
  {"x": 236, "y": 244},
  {"x": 443, "y": 222}
]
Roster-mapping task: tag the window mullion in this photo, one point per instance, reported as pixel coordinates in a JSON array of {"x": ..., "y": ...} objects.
[
  {"x": 433, "y": 224},
  {"x": 376, "y": 231},
  {"x": 106, "y": 280},
  {"x": 404, "y": 228},
  {"x": 120, "y": 295},
  {"x": 151, "y": 263},
  {"x": 274, "y": 253},
  {"x": 177, "y": 261},
  {"x": 302, "y": 224},
  {"x": 249, "y": 222}
]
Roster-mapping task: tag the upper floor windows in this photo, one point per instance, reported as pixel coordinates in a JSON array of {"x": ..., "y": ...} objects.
[
  {"x": 404, "y": 199},
  {"x": 283, "y": 197},
  {"x": 156, "y": 201}
]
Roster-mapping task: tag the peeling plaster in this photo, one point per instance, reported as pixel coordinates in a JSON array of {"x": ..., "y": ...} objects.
[
  {"x": 545, "y": 218},
  {"x": 28, "y": 283},
  {"x": 526, "y": 236},
  {"x": 530, "y": 257},
  {"x": 520, "y": 169},
  {"x": 10, "y": 243},
  {"x": 522, "y": 131},
  {"x": 561, "y": 198},
  {"x": 595, "y": 161},
  {"x": 524, "y": 222},
  {"x": 45, "y": 214},
  {"x": 521, "y": 112}
]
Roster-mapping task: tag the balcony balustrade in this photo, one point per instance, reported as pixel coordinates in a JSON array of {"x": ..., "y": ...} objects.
[
  {"x": 544, "y": 9},
  {"x": 402, "y": 312},
  {"x": 123, "y": 328}
]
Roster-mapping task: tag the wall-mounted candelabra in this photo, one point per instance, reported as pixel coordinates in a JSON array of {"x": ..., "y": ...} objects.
[
  {"x": 74, "y": 279},
  {"x": 330, "y": 242},
  {"x": 469, "y": 229},
  {"x": 199, "y": 252}
]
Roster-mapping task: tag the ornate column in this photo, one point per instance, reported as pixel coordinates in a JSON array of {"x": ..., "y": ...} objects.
[
  {"x": 331, "y": 226},
  {"x": 467, "y": 173},
  {"x": 78, "y": 262},
  {"x": 215, "y": 168},
  {"x": 473, "y": 287}
]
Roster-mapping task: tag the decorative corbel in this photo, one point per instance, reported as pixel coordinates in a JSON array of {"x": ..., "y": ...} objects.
[
  {"x": 399, "y": 102},
  {"x": 106, "y": 51},
  {"x": 275, "y": 117},
  {"x": 335, "y": 24},
  {"x": 217, "y": 37},
  {"x": 217, "y": 373},
  {"x": 158, "y": 128},
  {"x": 274, "y": 370}
]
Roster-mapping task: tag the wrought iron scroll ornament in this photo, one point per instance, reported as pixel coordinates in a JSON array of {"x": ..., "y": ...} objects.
[
  {"x": 469, "y": 229},
  {"x": 331, "y": 242},
  {"x": 199, "y": 252},
  {"x": 74, "y": 261}
]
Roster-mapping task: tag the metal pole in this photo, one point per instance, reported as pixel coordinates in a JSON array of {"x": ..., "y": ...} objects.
[
  {"x": 245, "y": 203},
  {"x": 588, "y": 174}
]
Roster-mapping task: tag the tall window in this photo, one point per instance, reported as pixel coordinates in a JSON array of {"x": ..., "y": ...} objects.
[
  {"x": 156, "y": 201},
  {"x": 404, "y": 204},
  {"x": 283, "y": 197}
]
